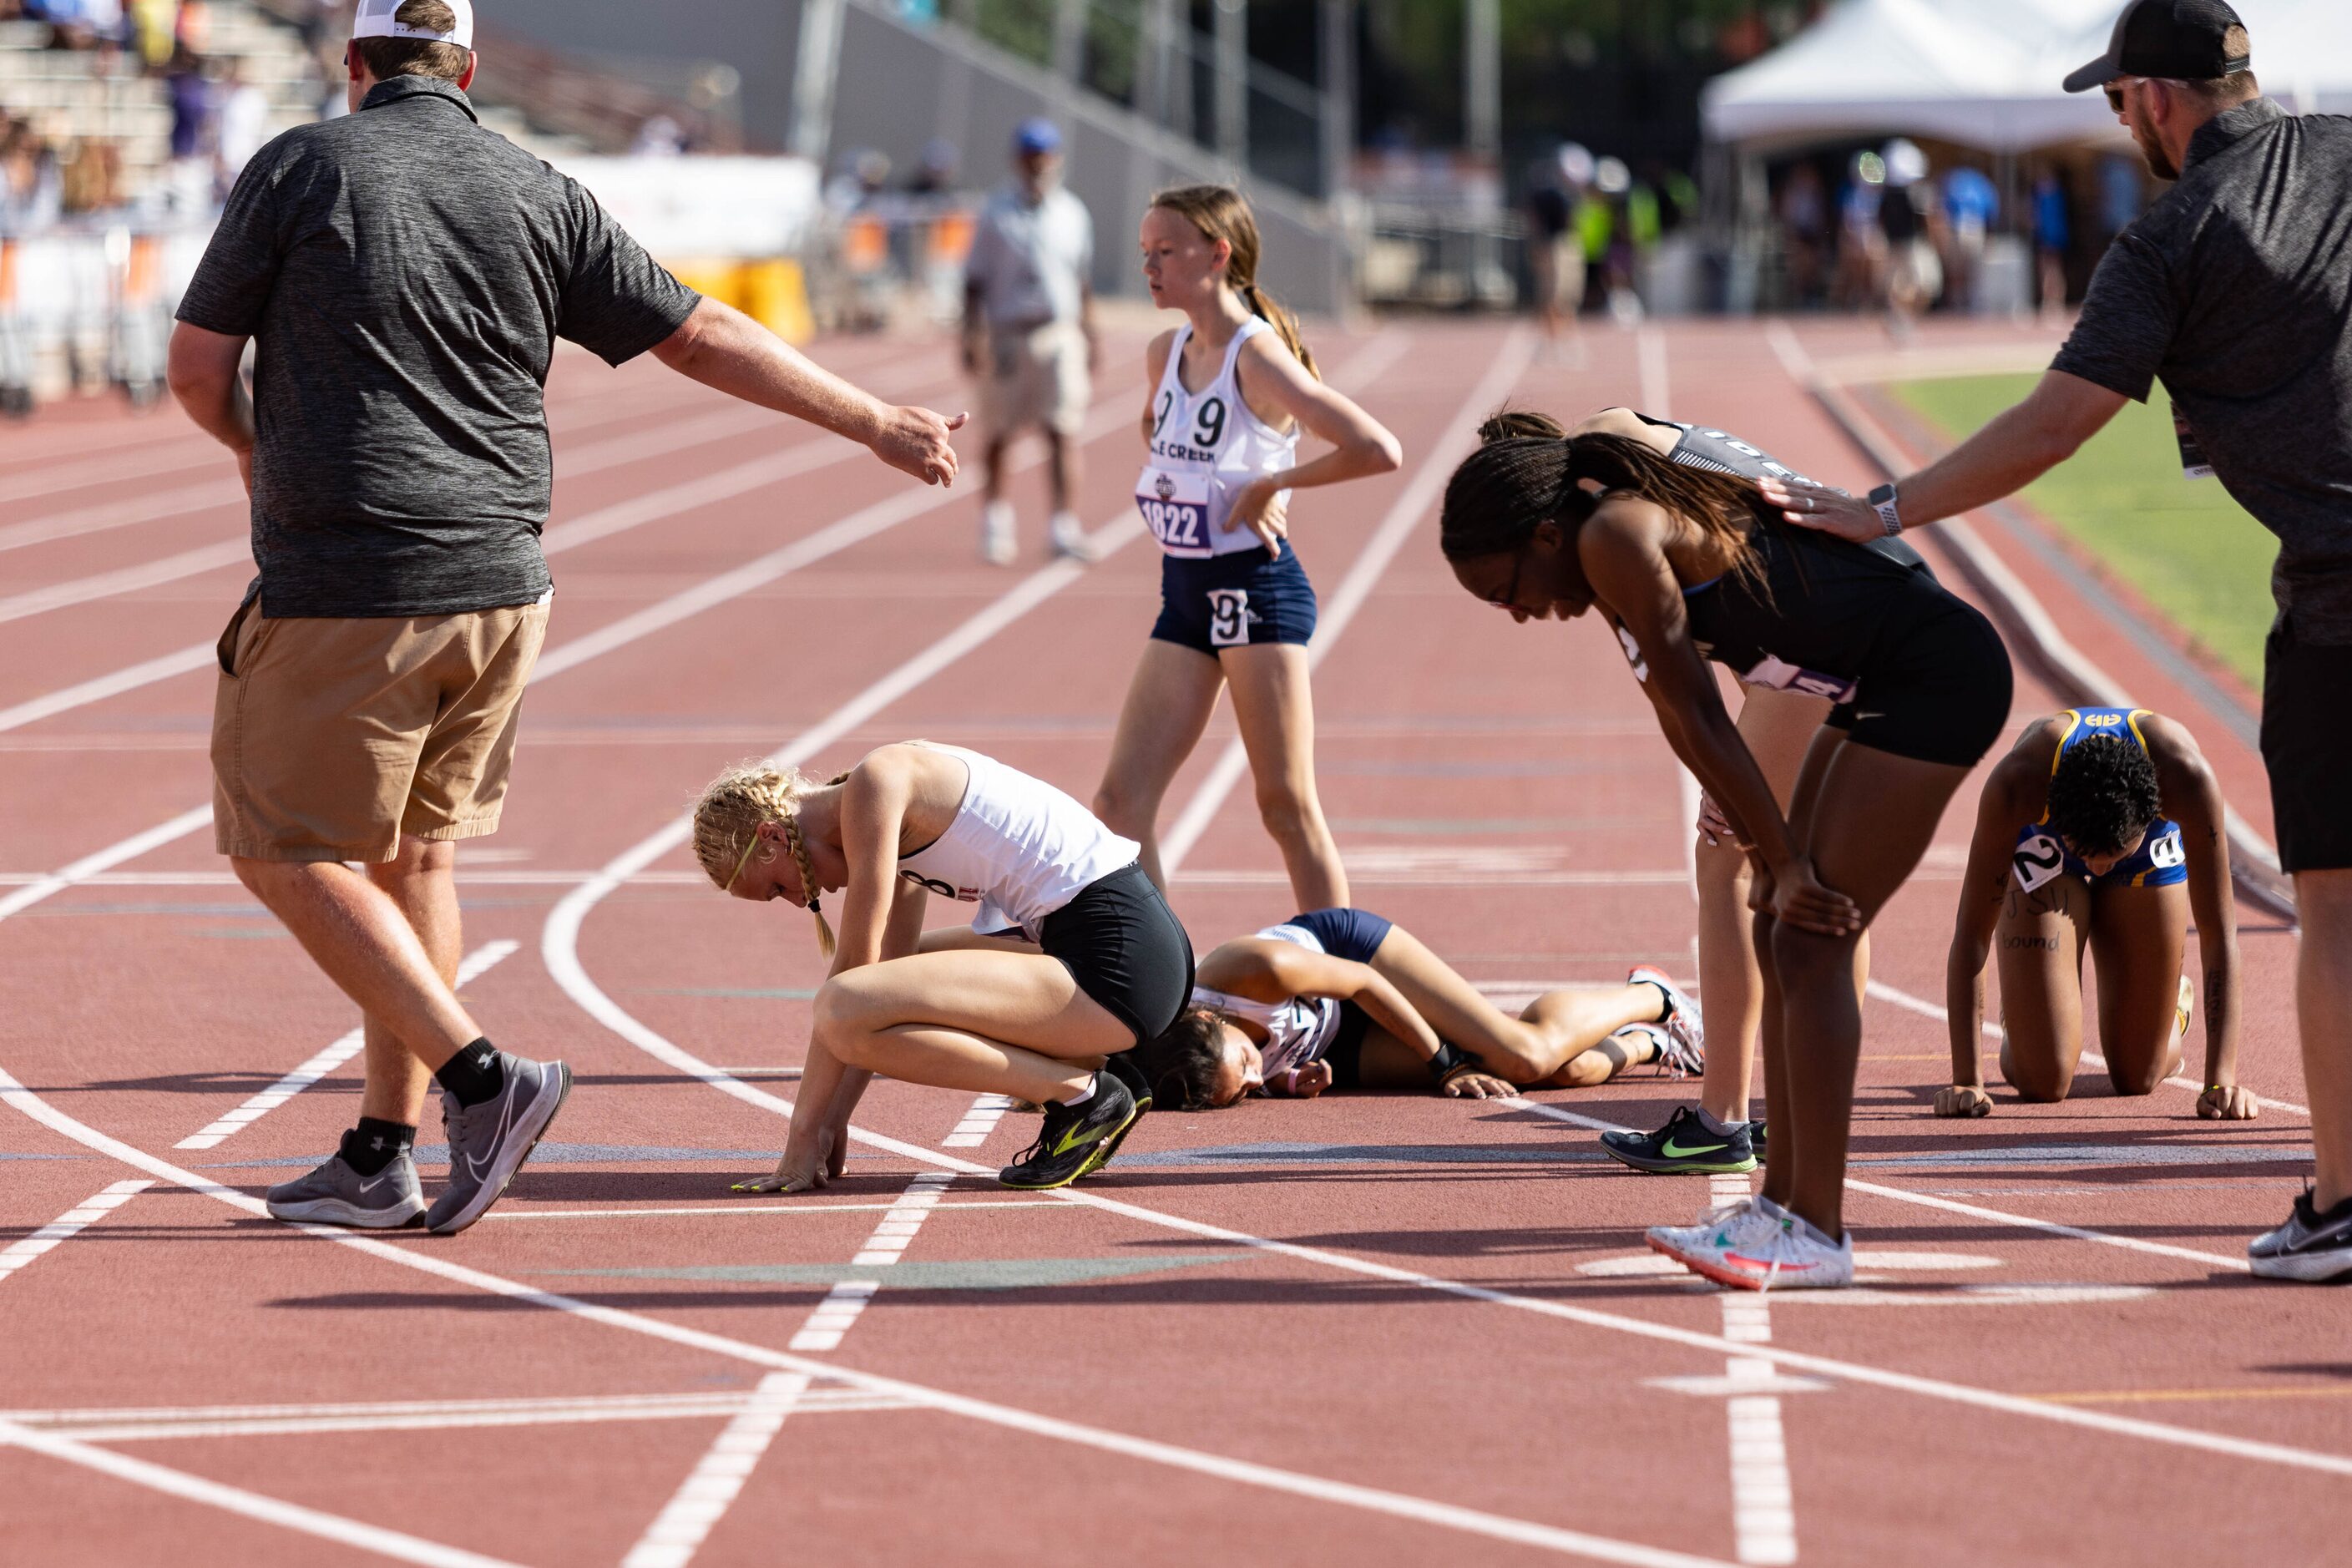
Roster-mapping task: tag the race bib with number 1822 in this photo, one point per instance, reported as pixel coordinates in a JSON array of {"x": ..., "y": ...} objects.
[{"x": 1176, "y": 508}]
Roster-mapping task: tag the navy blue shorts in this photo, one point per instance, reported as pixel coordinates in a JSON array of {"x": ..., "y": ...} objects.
[
  {"x": 1234, "y": 601},
  {"x": 1353, "y": 934}
]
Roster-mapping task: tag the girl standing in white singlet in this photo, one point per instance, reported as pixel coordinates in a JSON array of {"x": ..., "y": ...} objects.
[
  {"x": 1097, "y": 963},
  {"x": 1230, "y": 391}
]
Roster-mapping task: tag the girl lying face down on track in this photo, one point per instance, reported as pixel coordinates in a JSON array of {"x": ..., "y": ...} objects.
[
  {"x": 1686, "y": 566},
  {"x": 1105, "y": 964},
  {"x": 1344, "y": 999},
  {"x": 2100, "y": 832}
]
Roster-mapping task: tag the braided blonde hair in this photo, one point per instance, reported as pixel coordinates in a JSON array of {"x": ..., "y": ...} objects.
[{"x": 727, "y": 818}]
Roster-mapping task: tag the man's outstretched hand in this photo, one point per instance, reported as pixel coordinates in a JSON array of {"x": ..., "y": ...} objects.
[{"x": 915, "y": 441}]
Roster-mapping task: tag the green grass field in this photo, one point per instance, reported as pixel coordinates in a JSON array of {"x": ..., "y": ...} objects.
[{"x": 2188, "y": 548}]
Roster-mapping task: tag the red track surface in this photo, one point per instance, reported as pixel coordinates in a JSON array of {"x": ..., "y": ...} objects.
[{"x": 1434, "y": 1358}]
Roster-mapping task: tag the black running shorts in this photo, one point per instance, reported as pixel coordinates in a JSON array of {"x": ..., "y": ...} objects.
[
  {"x": 1935, "y": 687},
  {"x": 2307, "y": 747},
  {"x": 1126, "y": 949}
]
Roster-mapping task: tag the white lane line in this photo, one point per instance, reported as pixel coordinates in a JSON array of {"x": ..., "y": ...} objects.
[
  {"x": 1998, "y": 1216},
  {"x": 722, "y": 1211},
  {"x": 252, "y": 1505},
  {"x": 1763, "y": 1497},
  {"x": 978, "y": 1122},
  {"x": 105, "y": 1426},
  {"x": 832, "y": 1317},
  {"x": 478, "y": 962},
  {"x": 106, "y": 860},
  {"x": 1346, "y": 1494},
  {"x": 151, "y": 508},
  {"x": 97, "y": 688},
  {"x": 127, "y": 580},
  {"x": 1927, "y": 1009},
  {"x": 680, "y": 1531},
  {"x": 75, "y": 1220},
  {"x": 1404, "y": 515}
]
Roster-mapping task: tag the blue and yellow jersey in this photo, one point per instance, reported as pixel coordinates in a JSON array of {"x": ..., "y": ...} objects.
[{"x": 2159, "y": 862}]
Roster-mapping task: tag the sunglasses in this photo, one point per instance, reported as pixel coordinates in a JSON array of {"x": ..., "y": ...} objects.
[{"x": 2115, "y": 90}]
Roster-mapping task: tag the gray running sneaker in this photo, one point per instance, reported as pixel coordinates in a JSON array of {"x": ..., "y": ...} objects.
[
  {"x": 334, "y": 1193},
  {"x": 2310, "y": 1245},
  {"x": 490, "y": 1142}
]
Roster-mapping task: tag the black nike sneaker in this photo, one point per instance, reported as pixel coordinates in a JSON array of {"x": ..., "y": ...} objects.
[
  {"x": 1074, "y": 1139},
  {"x": 1685, "y": 1147},
  {"x": 1128, "y": 1073}
]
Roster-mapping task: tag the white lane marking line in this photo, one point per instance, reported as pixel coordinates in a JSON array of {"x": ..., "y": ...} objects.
[
  {"x": 194, "y": 656},
  {"x": 1404, "y": 515},
  {"x": 1901, "y": 1195},
  {"x": 252, "y": 1505},
  {"x": 1348, "y": 1494},
  {"x": 105, "y": 1426},
  {"x": 151, "y": 508},
  {"x": 1763, "y": 1495},
  {"x": 1642, "y": 1264},
  {"x": 79, "y": 1218},
  {"x": 106, "y": 860},
  {"x": 674, "y": 1537},
  {"x": 978, "y": 1122},
  {"x": 2091, "y": 1059},
  {"x": 722, "y": 1211},
  {"x": 833, "y": 1317},
  {"x": 478, "y": 962},
  {"x": 127, "y": 580}
]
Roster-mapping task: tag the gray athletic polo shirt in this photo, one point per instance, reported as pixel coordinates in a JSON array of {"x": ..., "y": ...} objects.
[
  {"x": 405, "y": 274},
  {"x": 2235, "y": 290}
]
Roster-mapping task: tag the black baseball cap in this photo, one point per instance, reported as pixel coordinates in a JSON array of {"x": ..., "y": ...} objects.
[{"x": 2181, "y": 39}]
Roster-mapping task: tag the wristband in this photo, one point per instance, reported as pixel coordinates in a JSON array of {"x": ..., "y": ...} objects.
[
  {"x": 1883, "y": 501},
  {"x": 1449, "y": 1060}
]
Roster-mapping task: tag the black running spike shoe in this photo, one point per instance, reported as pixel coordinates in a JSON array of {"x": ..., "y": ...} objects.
[
  {"x": 1075, "y": 1140},
  {"x": 1685, "y": 1147}
]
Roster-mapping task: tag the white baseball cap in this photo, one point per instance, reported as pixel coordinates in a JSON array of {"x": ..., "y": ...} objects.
[{"x": 379, "y": 19}]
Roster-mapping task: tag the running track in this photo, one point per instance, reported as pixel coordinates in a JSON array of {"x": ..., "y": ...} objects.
[{"x": 1371, "y": 1330}]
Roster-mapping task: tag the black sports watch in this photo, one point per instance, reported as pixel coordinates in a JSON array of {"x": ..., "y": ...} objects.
[{"x": 1881, "y": 501}]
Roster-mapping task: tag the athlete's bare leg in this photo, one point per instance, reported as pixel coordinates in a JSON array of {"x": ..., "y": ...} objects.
[
  {"x": 1063, "y": 470},
  {"x": 1169, "y": 701},
  {"x": 2322, "y": 1001},
  {"x": 422, "y": 882},
  {"x": 1872, "y": 818},
  {"x": 1554, "y": 1030},
  {"x": 2137, "y": 937},
  {"x": 1273, "y": 705},
  {"x": 992, "y": 468},
  {"x": 2038, "y": 947},
  {"x": 1779, "y": 1173}
]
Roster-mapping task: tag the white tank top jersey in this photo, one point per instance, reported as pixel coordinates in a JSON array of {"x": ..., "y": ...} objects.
[
  {"x": 1205, "y": 446},
  {"x": 1299, "y": 1031},
  {"x": 1018, "y": 848}
]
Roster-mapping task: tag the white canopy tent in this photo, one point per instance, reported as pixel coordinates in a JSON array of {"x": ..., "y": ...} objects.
[{"x": 1985, "y": 73}]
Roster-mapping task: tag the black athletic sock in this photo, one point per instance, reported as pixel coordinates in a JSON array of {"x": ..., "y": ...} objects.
[
  {"x": 1666, "y": 1000},
  {"x": 372, "y": 1145},
  {"x": 474, "y": 1074}
]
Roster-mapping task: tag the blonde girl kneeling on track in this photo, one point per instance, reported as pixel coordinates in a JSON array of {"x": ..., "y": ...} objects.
[
  {"x": 1345, "y": 999},
  {"x": 2100, "y": 832},
  {"x": 1689, "y": 566},
  {"x": 1229, "y": 392},
  {"x": 981, "y": 1011}
]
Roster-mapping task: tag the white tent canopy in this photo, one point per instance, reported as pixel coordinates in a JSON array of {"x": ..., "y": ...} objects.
[{"x": 1985, "y": 73}]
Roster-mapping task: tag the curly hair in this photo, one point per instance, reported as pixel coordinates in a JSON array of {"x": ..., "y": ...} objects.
[
  {"x": 2103, "y": 795},
  {"x": 1529, "y": 470},
  {"x": 1181, "y": 1063},
  {"x": 728, "y": 817}
]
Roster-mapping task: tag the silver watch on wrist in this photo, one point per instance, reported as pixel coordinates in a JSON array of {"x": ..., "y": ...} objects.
[{"x": 1883, "y": 501}]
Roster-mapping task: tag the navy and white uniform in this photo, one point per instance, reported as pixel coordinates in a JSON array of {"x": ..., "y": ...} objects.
[
  {"x": 2160, "y": 861},
  {"x": 1218, "y": 587},
  {"x": 1036, "y": 861},
  {"x": 1303, "y": 1030}
]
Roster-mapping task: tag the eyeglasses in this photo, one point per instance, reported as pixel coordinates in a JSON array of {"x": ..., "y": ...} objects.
[
  {"x": 1511, "y": 592},
  {"x": 2115, "y": 90}
]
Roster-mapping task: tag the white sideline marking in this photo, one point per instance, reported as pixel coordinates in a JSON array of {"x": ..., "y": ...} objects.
[
  {"x": 978, "y": 1122},
  {"x": 1404, "y": 515},
  {"x": 1395, "y": 1505},
  {"x": 106, "y": 860},
  {"x": 127, "y": 580},
  {"x": 1763, "y": 1497},
  {"x": 718, "y": 1210},
  {"x": 104, "y": 1426},
  {"x": 895, "y": 1231},
  {"x": 478, "y": 962},
  {"x": 671, "y": 1540},
  {"x": 252, "y": 1505},
  {"x": 1925, "y": 1008},
  {"x": 79, "y": 1218}
]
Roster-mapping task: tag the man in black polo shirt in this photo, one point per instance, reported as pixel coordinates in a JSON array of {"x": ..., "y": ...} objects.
[
  {"x": 404, "y": 274},
  {"x": 2235, "y": 290}
]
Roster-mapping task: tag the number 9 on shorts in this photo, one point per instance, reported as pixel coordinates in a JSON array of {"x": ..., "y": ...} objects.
[{"x": 1229, "y": 617}]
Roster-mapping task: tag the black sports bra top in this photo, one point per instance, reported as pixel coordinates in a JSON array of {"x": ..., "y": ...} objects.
[{"x": 1813, "y": 623}]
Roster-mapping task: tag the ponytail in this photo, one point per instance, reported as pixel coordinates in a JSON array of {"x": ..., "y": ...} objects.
[{"x": 1220, "y": 213}]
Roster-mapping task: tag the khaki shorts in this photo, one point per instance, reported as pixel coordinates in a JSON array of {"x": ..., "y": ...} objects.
[
  {"x": 1037, "y": 377},
  {"x": 333, "y": 739}
]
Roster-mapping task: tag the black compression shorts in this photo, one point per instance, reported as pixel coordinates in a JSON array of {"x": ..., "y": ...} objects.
[
  {"x": 1126, "y": 949},
  {"x": 2306, "y": 749},
  {"x": 1937, "y": 687}
]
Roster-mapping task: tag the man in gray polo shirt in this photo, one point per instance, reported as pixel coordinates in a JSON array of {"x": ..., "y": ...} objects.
[
  {"x": 2235, "y": 291},
  {"x": 404, "y": 274}
]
